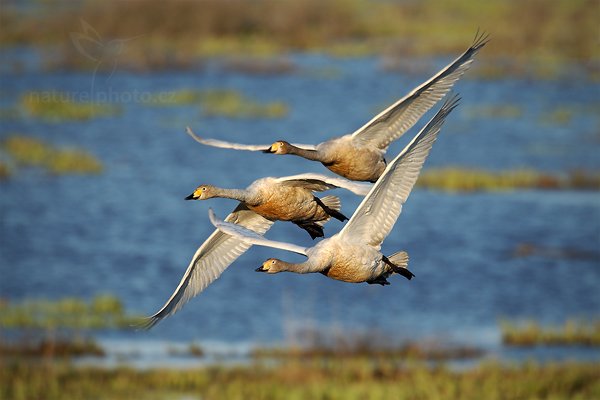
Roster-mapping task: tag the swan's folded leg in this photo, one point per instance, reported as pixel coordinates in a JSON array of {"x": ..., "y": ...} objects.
[{"x": 330, "y": 211}]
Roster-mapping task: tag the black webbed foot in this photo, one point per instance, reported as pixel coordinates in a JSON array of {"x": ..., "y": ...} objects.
[
  {"x": 381, "y": 281},
  {"x": 314, "y": 230}
]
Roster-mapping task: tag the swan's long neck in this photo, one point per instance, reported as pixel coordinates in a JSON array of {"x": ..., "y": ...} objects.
[
  {"x": 236, "y": 194},
  {"x": 305, "y": 267},
  {"x": 313, "y": 155}
]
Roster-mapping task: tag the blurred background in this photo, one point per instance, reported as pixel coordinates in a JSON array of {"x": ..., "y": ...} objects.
[{"x": 503, "y": 228}]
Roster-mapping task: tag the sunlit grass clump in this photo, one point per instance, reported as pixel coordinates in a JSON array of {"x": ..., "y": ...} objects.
[
  {"x": 221, "y": 102},
  {"x": 59, "y": 107},
  {"x": 101, "y": 312},
  {"x": 233, "y": 104},
  {"x": 175, "y": 98},
  {"x": 32, "y": 152},
  {"x": 456, "y": 179},
  {"x": 571, "y": 333}
]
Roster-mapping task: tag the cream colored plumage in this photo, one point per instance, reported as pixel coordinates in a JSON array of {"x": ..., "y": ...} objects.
[
  {"x": 221, "y": 249},
  {"x": 360, "y": 155},
  {"x": 290, "y": 198},
  {"x": 353, "y": 255}
]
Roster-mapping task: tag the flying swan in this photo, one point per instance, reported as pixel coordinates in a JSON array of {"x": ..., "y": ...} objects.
[{"x": 360, "y": 156}]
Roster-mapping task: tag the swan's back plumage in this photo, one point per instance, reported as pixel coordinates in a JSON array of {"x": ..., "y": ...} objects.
[{"x": 377, "y": 213}]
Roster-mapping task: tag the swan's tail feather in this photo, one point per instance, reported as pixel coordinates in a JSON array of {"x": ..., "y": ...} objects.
[
  {"x": 399, "y": 259},
  {"x": 399, "y": 264}
]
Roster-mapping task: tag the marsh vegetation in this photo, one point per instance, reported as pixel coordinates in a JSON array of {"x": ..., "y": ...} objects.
[
  {"x": 26, "y": 151},
  {"x": 353, "y": 28},
  {"x": 221, "y": 102},
  {"x": 334, "y": 379}
]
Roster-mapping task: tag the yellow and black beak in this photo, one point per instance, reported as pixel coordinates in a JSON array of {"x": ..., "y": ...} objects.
[
  {"x": 192, "y": 196},
  {"x": 261, "y": 269},
  {"x": 269, "y": 150}
]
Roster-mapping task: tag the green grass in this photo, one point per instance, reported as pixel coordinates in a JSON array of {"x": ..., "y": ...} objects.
[
  {"x": 571, "y": 333},
  {"x": 221, "y": 102},
  {"x": 101, "y": 312},
  {"x": 232, "y": 104},
  {"x": 457, "y": 179},
  {"x": 58, "y": 107},
  {"x": 336, "y": 379},
  {"x": 31, "y": 152}
]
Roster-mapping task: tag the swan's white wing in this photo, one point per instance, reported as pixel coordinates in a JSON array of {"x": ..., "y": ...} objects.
[
  {"x": 239, "y": 146},
  {"x": 251, "y": 237},
  {"x": 210, "y": 260},
  {"x": 394, "y": 121},
  {"x": 319, "y": 183},
  {"x": 377, "y": 213}
]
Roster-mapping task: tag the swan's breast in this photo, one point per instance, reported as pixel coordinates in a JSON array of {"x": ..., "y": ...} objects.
[
  {"x": 354, "y": 263},
  {"x": 352, "y": 162}
]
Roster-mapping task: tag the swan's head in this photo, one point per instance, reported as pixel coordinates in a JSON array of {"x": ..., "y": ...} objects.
[
  {"x": 203, "y": 192},
  {"x": 272, "y": 266},
  {"x": 279, "y": 147}
]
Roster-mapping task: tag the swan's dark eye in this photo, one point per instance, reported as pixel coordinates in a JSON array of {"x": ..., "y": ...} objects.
[
  {"x": 272, "y": 261},
  {"x": 203, "y": 188}
]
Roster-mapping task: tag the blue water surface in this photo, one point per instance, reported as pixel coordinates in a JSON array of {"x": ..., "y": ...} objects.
[{"x": 129, "y": 232}]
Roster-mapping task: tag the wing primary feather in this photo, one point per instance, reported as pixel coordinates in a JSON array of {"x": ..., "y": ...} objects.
[
  {"x": 394, "y": 121},
  {"x": 377, "y": 213},
  {"x": 209, "y": 262}
]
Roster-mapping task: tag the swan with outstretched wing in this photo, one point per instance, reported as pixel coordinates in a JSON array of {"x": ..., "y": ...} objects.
[{"x": 360, "y": 156}]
